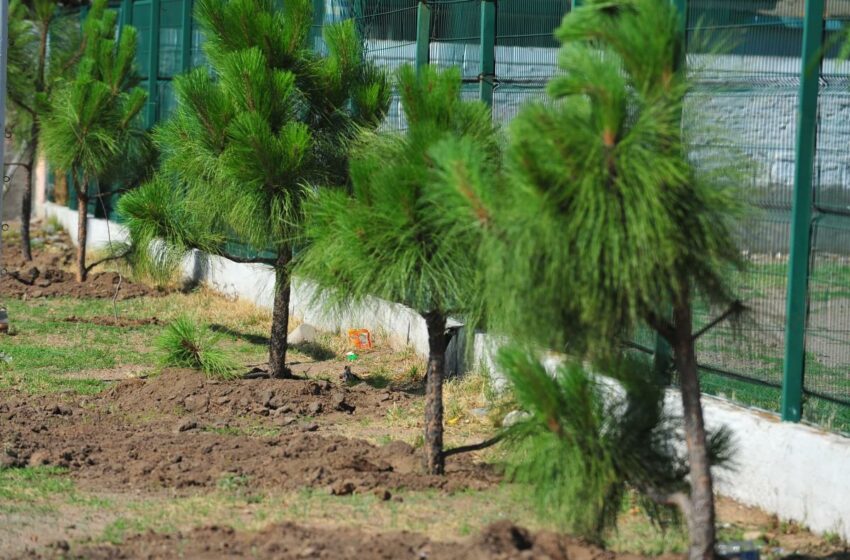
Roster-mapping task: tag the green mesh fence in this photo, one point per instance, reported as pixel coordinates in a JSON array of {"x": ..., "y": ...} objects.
[{"x": 744, "y": 57}]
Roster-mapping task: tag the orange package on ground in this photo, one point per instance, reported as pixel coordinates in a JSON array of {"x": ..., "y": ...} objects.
[{"x": 360, "y": 339}]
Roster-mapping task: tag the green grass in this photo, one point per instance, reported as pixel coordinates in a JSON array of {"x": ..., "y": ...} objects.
[{"x": 32, "y": 489}]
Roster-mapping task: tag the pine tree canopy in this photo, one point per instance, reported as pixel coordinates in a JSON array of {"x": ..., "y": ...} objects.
[
  {"x": 606, "y": 220},
  {"x": 398, "y": 236},
  {"x": 92, "y": 118},
  {"x": 255, "y": 132}
]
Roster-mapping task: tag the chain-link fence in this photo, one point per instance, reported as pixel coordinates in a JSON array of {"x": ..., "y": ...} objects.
[{"x": 749, "y": 99}]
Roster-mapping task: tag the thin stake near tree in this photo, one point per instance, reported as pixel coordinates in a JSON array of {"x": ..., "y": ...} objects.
[
  {"x": 91, "y": 123},
  {"x": 246, "y": 142},
  {"x": 607, "y": 224},
  {"x": 395, "y": 237}
]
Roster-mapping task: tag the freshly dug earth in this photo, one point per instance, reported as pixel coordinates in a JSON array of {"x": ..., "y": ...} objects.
[
  {"x": 46, "y": 275},
  {"x": 500, "y": 541},
  {"x": 138, "y": 435}
]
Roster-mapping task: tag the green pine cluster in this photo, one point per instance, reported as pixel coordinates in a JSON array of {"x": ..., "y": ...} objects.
[
  {"x": 251, "y": 134},
  {"x": 91, "y": 126},
  {"x": 394, "y": 236}
]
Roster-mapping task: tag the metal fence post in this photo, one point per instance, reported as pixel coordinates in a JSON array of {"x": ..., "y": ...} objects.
[
  {"x": 423, "y": 34},
  {"x": 487, "y": 70},
  {"x": 186, "y": 20},
  {"x": 153, "y": 65},
  {"x": 801, "y": 214},
  {"x": 126, "y": 13}
]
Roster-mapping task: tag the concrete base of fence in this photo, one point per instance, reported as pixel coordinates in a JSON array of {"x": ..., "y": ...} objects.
[{"x": 794, "y": 471}]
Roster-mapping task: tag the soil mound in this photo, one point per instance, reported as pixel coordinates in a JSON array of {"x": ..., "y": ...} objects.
[
  {"x": 186, "y": 391},
  {"x": 105, "y": 445},
  {"x": 501, "y": 541},
  {"x": 45, "y": 275}
]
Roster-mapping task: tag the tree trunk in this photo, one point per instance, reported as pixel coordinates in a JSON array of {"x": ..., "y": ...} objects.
[
  {"x": 26, "y": 212},
  {"x": 26, "y": 201},
  {"x": 82, "y": 225},
  {"x": 280, "y": 317},
  {"x": 700, "y": 515},
  {"x": 434, "y": 459}
]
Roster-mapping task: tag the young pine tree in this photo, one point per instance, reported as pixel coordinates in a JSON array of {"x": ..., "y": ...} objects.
[
  {"x": 268, "y": 118},
  {"x": 393, "y": 237},
  {"x": 32, "y": 74},
  {"x": 91, "y": 123},
  {"x": 607, "y": 224}
]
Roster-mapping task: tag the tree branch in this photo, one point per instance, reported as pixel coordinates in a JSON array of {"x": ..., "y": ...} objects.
[
  {"x": 661, "y": 326},
  {"x": 107, "y": 259},
  {"x": 474, "y": 447},
  {"x": 736, "y": 307}
]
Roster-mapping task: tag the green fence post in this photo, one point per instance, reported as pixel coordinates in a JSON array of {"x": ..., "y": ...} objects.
[
  {"x": 186, "y": 21},
  {"x": 423, "y": 34},
  {"x": 126, "y": 13},
  {"x": 487, "y": 70},
  {"x": 153, "y": 65},
  {"x": 574, "y": 4},
  {"x": 801, "y": 215}
]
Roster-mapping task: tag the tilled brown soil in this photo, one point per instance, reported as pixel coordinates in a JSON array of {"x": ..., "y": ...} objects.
[
  {"x": 140, "y": 435},
  {"x": 47, "y": 276},
  {"x": 500, "y": 541}
]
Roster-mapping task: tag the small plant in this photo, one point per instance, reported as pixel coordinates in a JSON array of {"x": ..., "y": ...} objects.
[{"x": 184, "y": 343}]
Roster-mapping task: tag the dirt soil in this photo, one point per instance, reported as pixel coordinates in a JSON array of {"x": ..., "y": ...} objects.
[
  {"x": 110, "y": 321},
  {"x": 500, "y": 541},
  {"x": 48, "y": 275},
  {"x": 177, "y": 431}
]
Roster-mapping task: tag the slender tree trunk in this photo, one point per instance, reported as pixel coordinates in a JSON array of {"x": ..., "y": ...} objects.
[
  {"x": 82, "y": 225},
  {"x": 434, "y": 459},
  {"x": 280, "y": 317},
  {"x": 700, "y": 515},
  {"x": 26, "y": 201}
]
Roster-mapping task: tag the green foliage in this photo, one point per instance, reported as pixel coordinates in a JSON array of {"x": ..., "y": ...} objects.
[
  {"x": 184, "y": 343},
  {"x": 398, "y": 235},
  {"x": 606, "y": 221},
  {"x": 589, "y": 439},
  {"x": 248, "y": 138},
  {"x": 91, "y": 124}
]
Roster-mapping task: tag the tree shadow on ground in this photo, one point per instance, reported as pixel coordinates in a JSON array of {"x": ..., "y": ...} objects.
[
  {"x": 313, "y": 350},
  {"x": 257, "y": 339},
  {"x": 829, "y": 556}
]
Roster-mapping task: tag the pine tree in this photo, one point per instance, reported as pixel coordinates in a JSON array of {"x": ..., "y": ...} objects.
[
  {"x": 395, "y": 237},
  {"x": 607, "y": 224},
  {"x": 32, "y": 74},
  {"x": 269, "y": 118},
  {"x": 92, "y": 122}
]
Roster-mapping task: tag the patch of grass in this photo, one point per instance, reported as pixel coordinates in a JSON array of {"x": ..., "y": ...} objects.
[
  {"x": 184, "y": 343},
  {"x": 32, "y": 484}
]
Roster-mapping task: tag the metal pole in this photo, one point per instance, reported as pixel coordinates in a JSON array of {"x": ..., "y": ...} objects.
[
  {"x": 153, "y": 65},
  {"x": 423, "y": 34},
  {"x": 487, "y": 70},
  {"x": 4, "y": 59},
  {"x": 801, "y": 215},
  {"x": 186, "y": 20}
]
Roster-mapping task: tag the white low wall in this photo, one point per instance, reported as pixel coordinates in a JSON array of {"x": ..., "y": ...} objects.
[{"x": 795, "y": 471}]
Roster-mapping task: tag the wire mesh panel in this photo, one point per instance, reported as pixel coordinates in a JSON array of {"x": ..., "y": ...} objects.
[
  {"x": 455, "y": 40},
  {"x": 827, "y": 370},
  {"x": 388, "y": 28},
  {"x": 526, "y": 52},
  {"x": 744, "y": 58}
]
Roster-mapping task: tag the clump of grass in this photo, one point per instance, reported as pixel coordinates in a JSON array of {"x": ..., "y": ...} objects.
[{"x": 185, "y": 343}]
